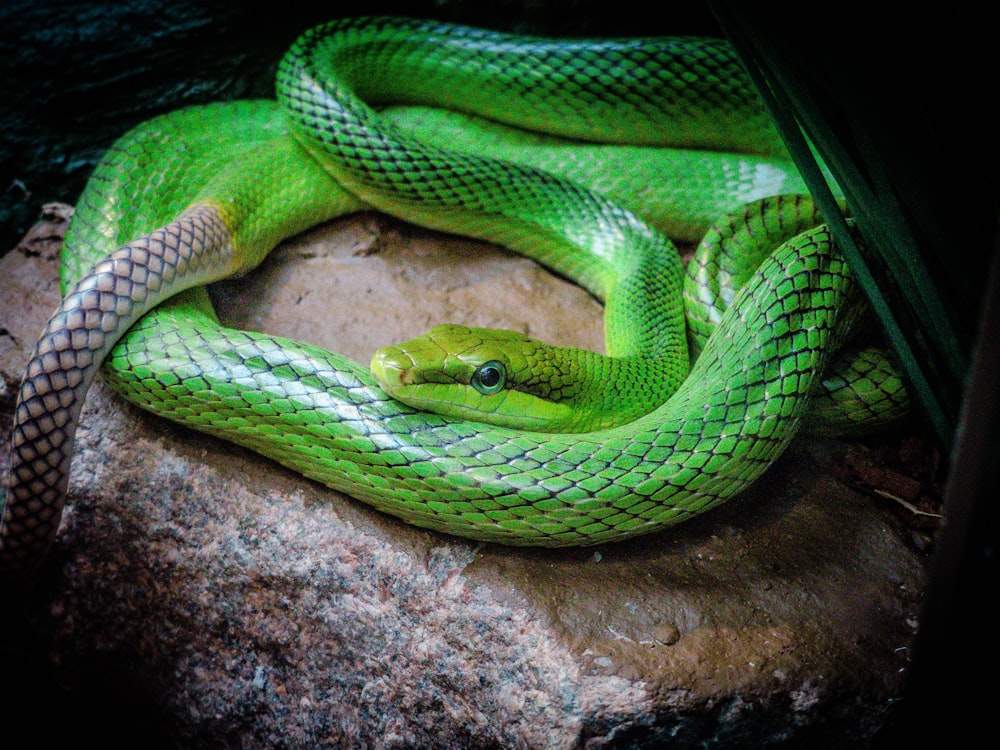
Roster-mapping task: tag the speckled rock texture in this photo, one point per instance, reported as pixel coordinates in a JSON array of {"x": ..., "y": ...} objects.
[{"x": 200, "y": 596}]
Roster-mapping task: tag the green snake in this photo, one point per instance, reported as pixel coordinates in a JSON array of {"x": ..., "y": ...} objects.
[{"x": 508, "y": 441}]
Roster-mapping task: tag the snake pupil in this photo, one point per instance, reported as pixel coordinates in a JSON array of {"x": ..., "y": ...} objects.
[{"x": 489, "y": 377}]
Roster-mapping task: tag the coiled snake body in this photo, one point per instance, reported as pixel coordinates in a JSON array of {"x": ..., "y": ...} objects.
[{"x": 205, "y": 193}]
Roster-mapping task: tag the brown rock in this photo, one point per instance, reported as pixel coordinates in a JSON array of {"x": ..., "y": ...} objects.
[{"x": 209, "y": 593}]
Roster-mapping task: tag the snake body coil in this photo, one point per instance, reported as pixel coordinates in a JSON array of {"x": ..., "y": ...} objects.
[{"x": 157, "y": 219}]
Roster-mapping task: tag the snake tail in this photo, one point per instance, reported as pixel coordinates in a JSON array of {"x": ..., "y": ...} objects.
[{"x": 193, "y": 250}]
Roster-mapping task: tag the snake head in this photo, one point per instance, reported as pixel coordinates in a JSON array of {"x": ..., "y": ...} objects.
[
  {"x": 508, "y": 379},
  {"x": 483, "y": 374}
]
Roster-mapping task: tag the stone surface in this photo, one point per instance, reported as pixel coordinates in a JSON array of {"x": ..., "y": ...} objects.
[{"x": 201, "y": 596}]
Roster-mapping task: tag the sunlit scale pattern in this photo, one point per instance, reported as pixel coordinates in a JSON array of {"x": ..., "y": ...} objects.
[
  {"x": 681, "y": 191},
  {"x": 325, "y": 417},
  {"x": 652, "y": 91},
  {"x": 73, "y": 345}
]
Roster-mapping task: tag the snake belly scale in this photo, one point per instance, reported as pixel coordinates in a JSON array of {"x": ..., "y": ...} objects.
[{"x": 205, "y": 193}]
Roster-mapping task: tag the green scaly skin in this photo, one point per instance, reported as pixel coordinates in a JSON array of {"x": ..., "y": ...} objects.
[
  {"x": 205, "y": 193},
  {"x": 861, "y": 389}
]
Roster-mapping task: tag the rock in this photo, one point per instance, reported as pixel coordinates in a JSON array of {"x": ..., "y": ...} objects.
[{"x": 201, "y": 596}]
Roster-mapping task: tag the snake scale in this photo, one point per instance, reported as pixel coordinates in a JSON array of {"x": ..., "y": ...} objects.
[{"x": 204, "y": 193}]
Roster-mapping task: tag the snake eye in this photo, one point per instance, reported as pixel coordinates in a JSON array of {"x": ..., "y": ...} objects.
[{"x": 489, "y": 377}]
